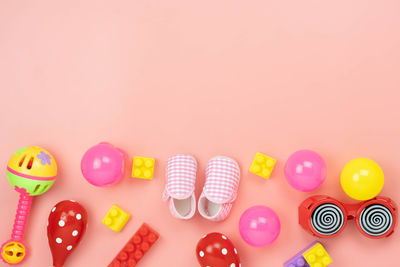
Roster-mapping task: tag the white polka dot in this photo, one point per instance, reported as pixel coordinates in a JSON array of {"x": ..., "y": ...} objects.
[
  {"x": 235, "y": 250},
  {"x": 61, "y": 223},
  {"x": 224, "y": 251},
  {"x": 69, "y": 247},
  {"x": 223, "y": 237},
  {"x": 201, "y": 253},
  {"x": 53, "y": 209},
  {"x": 233, "y": 265},
  {"x": 74, "y": 233},
  {"x": 58, "y": 240},
  {"x": 78, "y": 216}
]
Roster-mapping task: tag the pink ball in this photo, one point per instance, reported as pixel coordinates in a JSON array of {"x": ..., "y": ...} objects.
[
  {"x": 305, "y": 170},
  {"x": 259, "y": 226},
  {"x": 103, "y": 164}
]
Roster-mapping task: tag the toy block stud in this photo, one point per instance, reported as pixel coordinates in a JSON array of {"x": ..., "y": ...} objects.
[
  {"x": 143, "y": 167},
  {"x": 262, "y": 165},
  {"x": 116, "y": 218},
  {"x": 317, "y": 256},
  {"x": 136, "y": 248}
]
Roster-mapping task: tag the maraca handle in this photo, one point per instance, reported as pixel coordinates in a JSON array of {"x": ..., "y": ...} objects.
[{"x": 24, "y": 205}]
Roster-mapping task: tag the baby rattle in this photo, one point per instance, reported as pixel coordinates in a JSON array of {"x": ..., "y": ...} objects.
[{"x": 31, "y": 171}]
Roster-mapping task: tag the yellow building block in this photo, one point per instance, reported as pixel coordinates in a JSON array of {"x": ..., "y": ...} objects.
[
  {"x": 143, "y": 167},
  {"x": 316, "y": 256},
  {"x": 116, "y": 218},
  {"x": 262, "y": 165}
]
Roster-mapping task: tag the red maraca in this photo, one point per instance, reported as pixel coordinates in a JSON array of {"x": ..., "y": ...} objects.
[
  {"x": 66, "y": 226},
  {"x": 215, "y": 249}
]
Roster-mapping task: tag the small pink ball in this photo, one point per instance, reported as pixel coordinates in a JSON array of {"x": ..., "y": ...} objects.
[
  {"x": 305, "y": 170},
  {"x": 103, "y": 164},
  {"x": 259, "y": 226}
]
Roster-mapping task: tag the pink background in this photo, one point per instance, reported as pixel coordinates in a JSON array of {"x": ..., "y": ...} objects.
[{"x": 202, "y": 77}]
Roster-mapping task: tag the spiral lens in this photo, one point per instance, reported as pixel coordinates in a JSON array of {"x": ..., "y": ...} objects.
[
  {"x": 327, "y": 219},
  {"x": 376, "y": 220}
]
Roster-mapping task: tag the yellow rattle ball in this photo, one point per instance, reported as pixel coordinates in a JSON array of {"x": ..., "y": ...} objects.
[
  {"x": 362, "y": 179},
  {"x": 13, "y": 252}
]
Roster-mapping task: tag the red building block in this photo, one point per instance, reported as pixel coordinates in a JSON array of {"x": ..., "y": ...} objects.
[{"x": 136, "y": 247}]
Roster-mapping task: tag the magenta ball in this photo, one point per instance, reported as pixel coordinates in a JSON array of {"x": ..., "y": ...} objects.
[
  {"x": 259, "y": 226},
  {"x": 103, "y": 164},
  {"x": 305, "y": 170}
]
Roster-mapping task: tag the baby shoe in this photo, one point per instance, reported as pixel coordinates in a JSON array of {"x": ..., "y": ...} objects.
[
  {"x": 220, "y": 188},
  {"x": 179, "y": 188}
]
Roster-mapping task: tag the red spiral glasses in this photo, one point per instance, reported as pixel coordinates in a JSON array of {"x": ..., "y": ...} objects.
[{"x": 324, "y": 216}]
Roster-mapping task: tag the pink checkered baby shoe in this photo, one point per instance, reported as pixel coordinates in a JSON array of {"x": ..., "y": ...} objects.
[
  {"x": 220, "y": 188},
  {"x": 179, "y": 188}
]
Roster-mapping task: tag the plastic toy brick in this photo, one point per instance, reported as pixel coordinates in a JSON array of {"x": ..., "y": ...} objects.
[
  {"x": 298, "y": 260},
  {"x": 136, "y": 248},
  {"x": 262, "y": 165},
  {"x": 143, "y": 167},
  {"x": 116, "y": 218},
  {"x": 317, "y": 256}
]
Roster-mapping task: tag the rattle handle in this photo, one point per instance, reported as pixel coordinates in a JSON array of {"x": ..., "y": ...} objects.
[{"x": 24, "y": 205}]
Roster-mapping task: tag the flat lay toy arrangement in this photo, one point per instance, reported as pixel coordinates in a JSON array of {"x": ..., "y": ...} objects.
[{"x": 32, "y": 170}]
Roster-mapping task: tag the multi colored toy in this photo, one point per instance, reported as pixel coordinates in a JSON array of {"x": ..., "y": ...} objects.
[
  {"x": 262, "y": 165},
  {"x": 362, "y": 179},
  {"x": 103, "y": 164},
  {"x": 215, "y": 249},
  {"x": 313, "y": 255},
  {"x": 136, "y": 247},
  {"x": 143, "y": 167},
  {"x": 305, "y": 170},
  {"x": 324, "y": 216},
  {"x": 66, "y": 226},
  {"x": 259, "y": 226},
  {"x": 116, "y": 218},
  {"x": 31, "y": 171}
]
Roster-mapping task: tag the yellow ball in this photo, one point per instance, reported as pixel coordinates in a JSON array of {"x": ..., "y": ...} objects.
[
  {"x": 362, "y": 179},
  {"x": 13, "y": 252}
]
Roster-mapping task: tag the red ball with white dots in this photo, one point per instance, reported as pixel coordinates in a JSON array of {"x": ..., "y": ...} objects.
[
  {"x": 216, "y": 250},
  {"x": 66, "y": 226}
]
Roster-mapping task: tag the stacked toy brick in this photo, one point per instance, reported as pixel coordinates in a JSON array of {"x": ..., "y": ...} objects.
[{"x": 314, "y": 255}]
